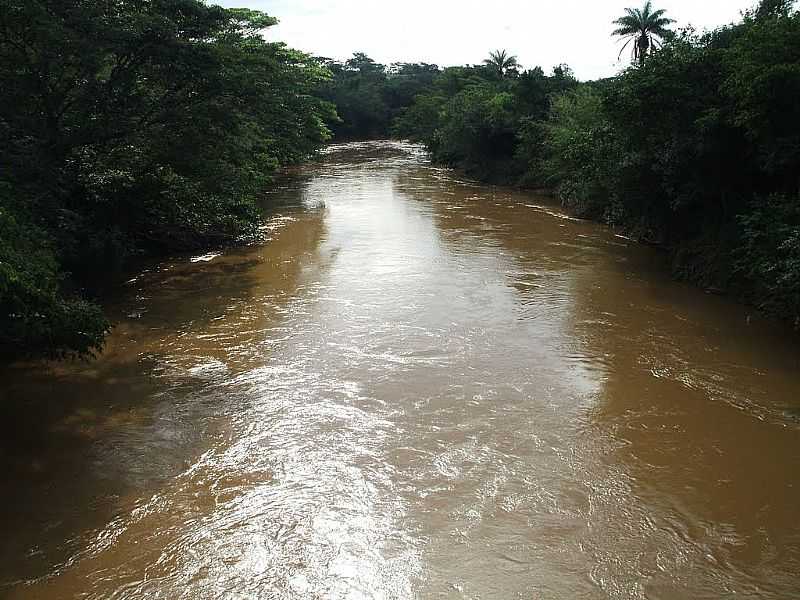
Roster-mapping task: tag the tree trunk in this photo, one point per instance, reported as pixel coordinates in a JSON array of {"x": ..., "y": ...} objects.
[{"x": 644, "y": 47}]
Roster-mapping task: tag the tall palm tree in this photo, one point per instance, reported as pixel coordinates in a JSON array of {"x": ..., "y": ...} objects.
[
  {"x": 501, "y": 61},
  {"x": 644, "y": 27}
]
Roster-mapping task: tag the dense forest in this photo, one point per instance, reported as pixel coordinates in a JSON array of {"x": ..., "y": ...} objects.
[
  {"x": 151, "y": 126},
  {"x": 130, "y": 128},
  {"x": 694, "y": 148}
]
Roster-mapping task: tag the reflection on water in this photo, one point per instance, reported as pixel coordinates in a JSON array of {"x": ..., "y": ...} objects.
[{"x": 418, "y": 387}]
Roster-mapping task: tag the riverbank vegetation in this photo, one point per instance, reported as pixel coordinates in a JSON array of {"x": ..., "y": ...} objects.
[
  {"x": 149, "y": 127},
  {"x": 130, "y": 128},
  {"x": 694, "y": 148},
  {"x": 369, "y": 96}
]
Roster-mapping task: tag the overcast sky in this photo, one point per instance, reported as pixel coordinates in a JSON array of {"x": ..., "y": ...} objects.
[{"x": 456, "y": 32}]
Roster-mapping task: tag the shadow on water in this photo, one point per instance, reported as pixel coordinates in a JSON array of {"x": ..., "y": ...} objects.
[
  {"x": 84, "y": 442},
  {"x": 696, "y": 425}
]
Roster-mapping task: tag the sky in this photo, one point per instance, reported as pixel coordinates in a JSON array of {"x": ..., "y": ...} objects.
[{"x": 455, "y": 32}]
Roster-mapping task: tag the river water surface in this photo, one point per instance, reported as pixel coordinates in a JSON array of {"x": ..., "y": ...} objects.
[{"x": 418, "y": 387}]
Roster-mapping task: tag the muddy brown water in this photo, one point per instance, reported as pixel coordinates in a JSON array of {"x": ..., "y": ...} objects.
[{"x": 419, "y": 387}]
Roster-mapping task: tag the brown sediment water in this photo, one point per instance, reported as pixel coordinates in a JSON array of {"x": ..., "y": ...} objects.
[{"x": 417, "y": 387}]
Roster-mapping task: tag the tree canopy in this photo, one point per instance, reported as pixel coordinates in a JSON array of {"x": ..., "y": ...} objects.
[
  {"x": 644, "y": 28},
  {"x": 695, "y": 149},
  {"x": 132, "y": 127},
  {"x": 142, "y": 127},
  {"x": 501, "y": 62}
]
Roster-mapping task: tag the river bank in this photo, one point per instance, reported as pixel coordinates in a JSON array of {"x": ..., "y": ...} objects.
[{"x": 692, "y": 270}]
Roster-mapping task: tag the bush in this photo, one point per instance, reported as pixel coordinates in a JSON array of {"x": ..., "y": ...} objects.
[
  {"x": 129, "y": 128},
  {"x": 673, "y": 150},
  {"x": 769, "y": 258},
  {"x": 35, "y": 317},
  {"x": 580, "y": 153}
]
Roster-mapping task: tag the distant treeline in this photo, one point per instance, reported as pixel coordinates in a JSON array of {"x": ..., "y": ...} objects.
[
  {"x": 150, "y": 126},
  {"x": 370, "y": 96},
  {"x": 695, "y": 148},
  {"x": 132, "y": 127}
]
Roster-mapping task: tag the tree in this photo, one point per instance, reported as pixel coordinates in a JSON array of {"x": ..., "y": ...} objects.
[
  {"x": 773, "y": 8},
  {"x": 501, "y": 62},
  {"x": 645, "y": 28},
  {"x": 129, "y": 128},
  {"x": 357, "y": 90},
  {"x": 369, "y": 96},
  {"x": 697, "y": 150}
]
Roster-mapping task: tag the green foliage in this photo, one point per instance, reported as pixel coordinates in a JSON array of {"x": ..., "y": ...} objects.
[
  {"x": 357, "y": 90},
  {"x": 152, "y": 126},
  {"x": 473, "y": 118},
  {"x": 762, "y": 85},
  {"x": 643, "y": 28},
  {"x": 478, "y": 130},
  {"x": 581, "y": 148},
  {"x": 773, "y": 8},
  {"x": 369, "y": 96},
  {"x": 769, "y": 257},
  {"x": 419, "y": 122},
  {"x": 35, "y": 317},
  {"x": 502, "y": 63},
  {"x": 143, "y": 126},
  {"x": 695, "y": 149},
  {"x": 686, "y": 146}
]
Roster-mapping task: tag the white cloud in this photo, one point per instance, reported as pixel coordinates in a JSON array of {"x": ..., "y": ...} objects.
[{"x": 454, "y": 32}]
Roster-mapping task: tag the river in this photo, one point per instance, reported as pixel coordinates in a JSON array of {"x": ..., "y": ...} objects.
[{"x": 417, "y": 387}]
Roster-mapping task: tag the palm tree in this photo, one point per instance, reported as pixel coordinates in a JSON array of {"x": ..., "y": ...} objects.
[
  {"x": 645, "y": 27},
  {"x": 501, "y": 61}
]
